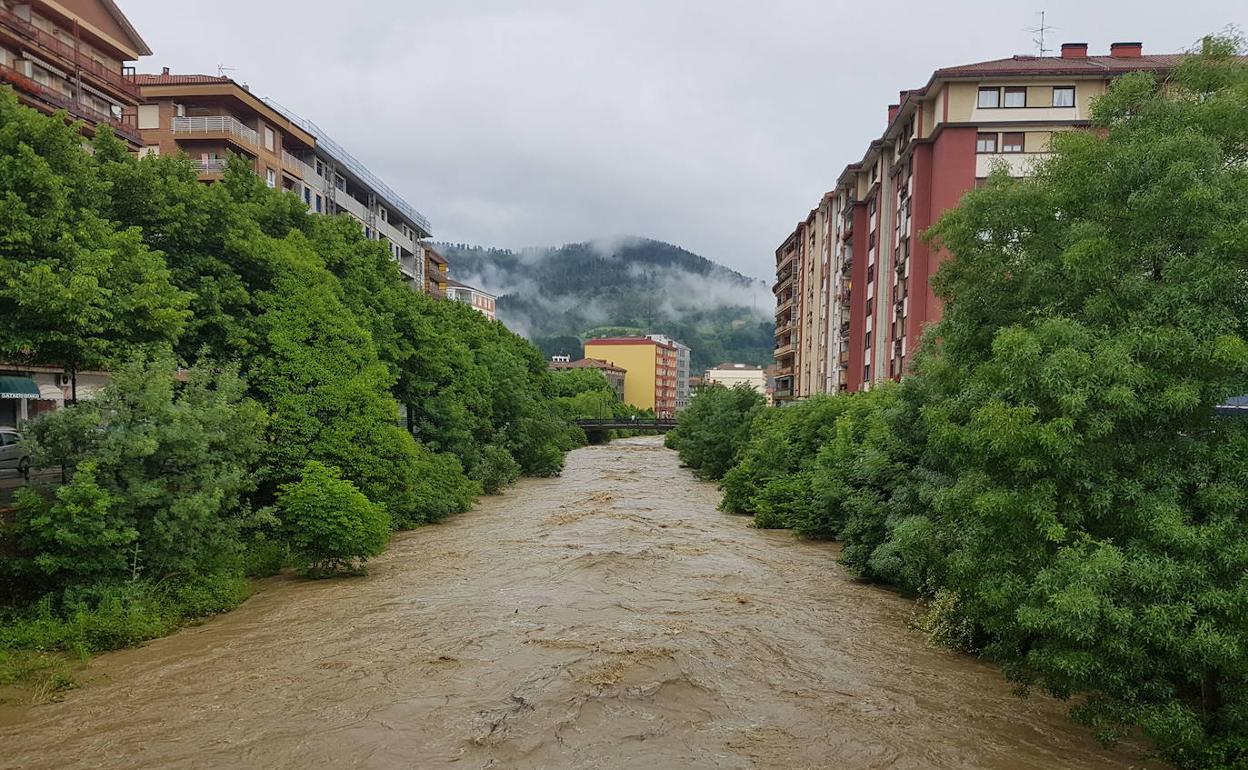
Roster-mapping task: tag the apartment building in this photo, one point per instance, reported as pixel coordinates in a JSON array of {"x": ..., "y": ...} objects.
[
  {"x": 211, "y": 117},
  {"x": 437, "y": 273},
  {"x": 651, "y": 367},
  {"x": 481, "y": 301},
  {"x": 683, "y": 353},
  {"x": 73, "y": 55},
  {"x": 861, "y": 247},
  {"x": 730, "y": 375}
]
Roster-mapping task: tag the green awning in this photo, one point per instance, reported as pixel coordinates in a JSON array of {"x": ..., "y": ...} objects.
[{"x": 19, "y": 387}]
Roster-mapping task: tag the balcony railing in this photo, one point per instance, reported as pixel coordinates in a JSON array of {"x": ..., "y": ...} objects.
[
  {"x": 68, "y": 53},
  {"x": 124, "y": 126},
  {"x": 216, "y": 124},
  {"x": 296, "y": 165},
  {"x": 211, "y": 165}
]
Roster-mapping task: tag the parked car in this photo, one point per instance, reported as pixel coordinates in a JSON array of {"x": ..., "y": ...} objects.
[{"x": 13, "y": 454}]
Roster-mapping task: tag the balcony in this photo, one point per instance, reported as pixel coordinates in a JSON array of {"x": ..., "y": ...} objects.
[
  {"x": 26, "y": 31},
  {"x": 216, "y": 125},
  {"x": 351, "y": 205},
  {"x": 785, "y": 350},
  {"x": 124, "y": 127},
  {"x": 784, "y": 304},
  {"x": 296, "y": 166},
  {"x": 211, "y": 165}
]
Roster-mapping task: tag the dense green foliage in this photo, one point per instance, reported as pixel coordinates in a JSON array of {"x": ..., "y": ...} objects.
[
  {"x": 564, "y": 295},
  {"x": 1053, "y": 477},
  {"x": 714, "y": 428},
  {"x": 331, "y": 525},
  {"x": 320, "y": 400}
]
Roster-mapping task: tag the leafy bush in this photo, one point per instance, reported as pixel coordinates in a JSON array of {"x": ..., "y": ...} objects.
[
  {"x": 332, "y": 527},
  {"x": 496, "y": 470},
  {"x": 124, "y": 514},
  {"x": 714, "y": 428}
]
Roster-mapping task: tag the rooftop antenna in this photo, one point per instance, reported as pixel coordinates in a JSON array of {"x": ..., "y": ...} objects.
[
  {"x": 1039, "y": 32},
  {"x": 222, "y": 69}
]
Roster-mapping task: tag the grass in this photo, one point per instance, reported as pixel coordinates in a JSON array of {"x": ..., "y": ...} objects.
[{"x": 44, "y": 645}]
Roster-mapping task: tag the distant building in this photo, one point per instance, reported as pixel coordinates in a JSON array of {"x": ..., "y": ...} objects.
[
  {"x": 481, "y": 301},
  {"x": 683, "y": 389},
  {"x": 651, "y": 367},
  {"x": 29, "y": 391},
  {"x": 731, "y": 375},
  {"x": 436, "y": 273},
  {"x": 208, "y": 117},
  {"x": 73, "y": 55},
  {"x": 615, "y": 375}
]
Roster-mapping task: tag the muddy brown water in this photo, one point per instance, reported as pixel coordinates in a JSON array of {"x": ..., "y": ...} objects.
[{"x": 610, "y": 618}]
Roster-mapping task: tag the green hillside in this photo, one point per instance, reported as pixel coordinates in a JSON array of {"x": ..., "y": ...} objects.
[{"x": 561, "y": 296}]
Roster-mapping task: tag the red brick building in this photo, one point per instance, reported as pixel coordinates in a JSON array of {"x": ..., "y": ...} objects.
[{"x": 853, "y": 296}]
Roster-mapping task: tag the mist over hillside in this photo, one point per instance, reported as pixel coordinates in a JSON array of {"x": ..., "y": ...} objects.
[{"x": 560, "y": 296}]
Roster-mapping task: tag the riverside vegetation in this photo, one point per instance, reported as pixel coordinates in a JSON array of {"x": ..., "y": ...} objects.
[
  {"x": 280, "y": 397},
  {"x": 1053, "y": 479}
]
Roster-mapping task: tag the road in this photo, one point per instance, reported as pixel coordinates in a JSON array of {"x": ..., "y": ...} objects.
[{"x": 610, "y": 618}]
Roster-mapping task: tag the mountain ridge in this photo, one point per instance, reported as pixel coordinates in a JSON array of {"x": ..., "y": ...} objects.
[{"x": 558, "y": 296}]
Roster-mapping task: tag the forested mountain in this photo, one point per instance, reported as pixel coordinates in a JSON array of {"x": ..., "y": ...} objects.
[{"x": 558, "y": 297}]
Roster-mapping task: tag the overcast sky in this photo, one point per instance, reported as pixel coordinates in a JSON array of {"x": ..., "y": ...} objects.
[{"x": 712, "y": 124}]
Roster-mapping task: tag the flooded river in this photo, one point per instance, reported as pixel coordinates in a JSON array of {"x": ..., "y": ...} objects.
[{"x": 610, "y": 618}]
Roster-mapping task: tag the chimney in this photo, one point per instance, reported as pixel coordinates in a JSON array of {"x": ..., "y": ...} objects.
[
  {"x": 1126, "y": 50},
  {"x": 892, "y": 112},
  {"x": 164, "y": 70},
  {"x": 1074, "y": 50}
]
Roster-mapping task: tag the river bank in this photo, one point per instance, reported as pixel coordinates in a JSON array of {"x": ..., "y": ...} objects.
[{"x": 610, "y": 617}]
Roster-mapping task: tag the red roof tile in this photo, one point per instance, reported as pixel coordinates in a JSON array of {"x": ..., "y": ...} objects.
[
  {"x": 177, "y": 80},
  {"x": 1056, "y": 65}
]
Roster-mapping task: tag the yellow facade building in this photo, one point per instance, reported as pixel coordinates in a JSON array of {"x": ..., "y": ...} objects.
[{"x": 650, "y": 382}]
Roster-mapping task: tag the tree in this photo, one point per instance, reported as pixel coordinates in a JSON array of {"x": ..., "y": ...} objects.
[
  {"x": 714, "y": 428},
  {"x": 331, "y": 525},
  {"x": 78, "y": 292},
  {"x": 1095, "y": 315},
  {"x": 158, "y": 472}
]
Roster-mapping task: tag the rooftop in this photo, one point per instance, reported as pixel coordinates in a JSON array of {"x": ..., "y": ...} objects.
[
  {"x": 626, "y": 341},
  {"x": 587, "y": 363},
  {"x": 168, "y": 79},
  {"x": 1057, "y": 65},
  {"x": 736, "y": 367},
  {"x": 460, "y": 285}
]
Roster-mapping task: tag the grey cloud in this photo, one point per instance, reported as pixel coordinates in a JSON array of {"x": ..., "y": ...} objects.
[{"x": 713, "y": 124}]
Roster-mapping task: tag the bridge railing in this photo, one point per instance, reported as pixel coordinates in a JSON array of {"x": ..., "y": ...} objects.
[{"x": 663, "y": 422}]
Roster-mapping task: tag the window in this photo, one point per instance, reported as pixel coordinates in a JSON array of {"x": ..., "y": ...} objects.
[
  {"x": 179, "y": 110},
  {"x": 307, "y": 195},
  {"x": 270, "y": 177},
  {"x": 319, "y": 200},
  {"x": 382, "y": 214},
  {"x": 268, "y": 138},
  {"x": 1063, "y": 96},
  {"x": 986, "y": 143},
  {"x": 320, "y": 168},
  {"x": 340, "y": 183},
  {"x": 1016, "y": 97},
  {"x": 149, "y": 116},
  {"x": 989, "y": 98},
  {"x": 1012, "y": 142}
]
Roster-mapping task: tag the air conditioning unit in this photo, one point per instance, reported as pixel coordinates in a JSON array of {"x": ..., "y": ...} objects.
[{"x": 63, "y": 380}]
